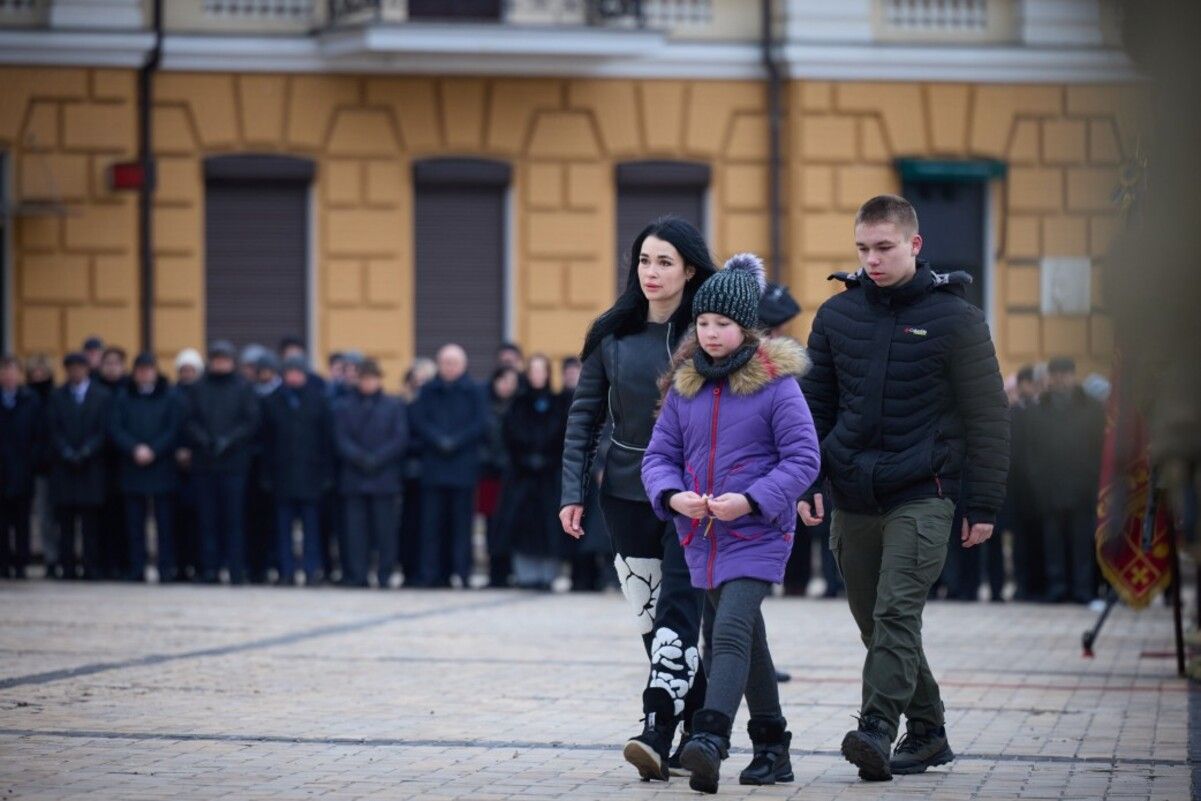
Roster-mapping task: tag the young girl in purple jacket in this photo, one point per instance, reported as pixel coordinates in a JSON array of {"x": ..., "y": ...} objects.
[{"x": 732, "y": 450}]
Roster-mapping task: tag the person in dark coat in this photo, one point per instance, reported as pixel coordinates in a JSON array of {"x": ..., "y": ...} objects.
[
  {"x": 371, "y": 433},
  {"x": 533, "y": 433},
  {"x": 114, "y": 549},
  {"x": 1068, "y": 429},
  {"x": 145, "y": 428},
  {"x": 1022, "y": 513},
  {"x": 21, "y": 443},
  {"x": 39, "y": 377},
  {"x": 298, "y": 464},
  {"x": 494, "y": 468},
  {"x": 451, "y": 418},
  {"x": 221, "y": 425},
  {"x": 260, "y": 505},
  {"x": 912, "y": 417},
  {"x": 417, "y": 376},
  {"x": 189, "y": 367},
  {"x": 77, "y": 422}
]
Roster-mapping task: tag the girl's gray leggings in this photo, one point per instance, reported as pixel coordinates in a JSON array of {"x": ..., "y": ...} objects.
[{"x": 741, "y": 661}]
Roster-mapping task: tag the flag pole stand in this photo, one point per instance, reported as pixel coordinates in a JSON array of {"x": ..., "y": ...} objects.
[
  {"x": 1177, "y": 606},
  {"x": 1090, "y": 635}
]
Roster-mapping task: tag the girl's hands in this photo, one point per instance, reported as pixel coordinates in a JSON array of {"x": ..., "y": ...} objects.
[
  {"x": 729, "y": 506},
  {"x": 690, "y": 505}
]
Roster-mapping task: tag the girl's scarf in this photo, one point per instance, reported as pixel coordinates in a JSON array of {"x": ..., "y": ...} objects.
[{"x": 715, "y": 371}]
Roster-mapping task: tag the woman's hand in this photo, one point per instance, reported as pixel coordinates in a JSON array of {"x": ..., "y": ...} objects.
[
  {"x": 570, "y": 517},
  {"x": 690, "y": 505},
  {"x": 729, "y": 506}
]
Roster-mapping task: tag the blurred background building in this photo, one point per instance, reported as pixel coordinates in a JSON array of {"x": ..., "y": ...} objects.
[{"x": 390, "y": 175}]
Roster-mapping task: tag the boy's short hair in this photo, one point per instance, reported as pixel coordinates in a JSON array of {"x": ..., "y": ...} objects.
[
  {"x": 1026, "y": 373},
  {"x": 888, "y": 208}
]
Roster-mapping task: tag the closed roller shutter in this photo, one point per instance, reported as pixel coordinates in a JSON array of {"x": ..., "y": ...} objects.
[
  {"x": 256, "y": 248},
  {"x": 647, "y": 190},
  {"x": 459, "y": 232}
]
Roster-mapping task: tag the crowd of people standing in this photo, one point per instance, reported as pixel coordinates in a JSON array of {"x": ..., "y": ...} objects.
[
  {"x": 132, "y": 445},
  {"x": 253, "y": 468}
]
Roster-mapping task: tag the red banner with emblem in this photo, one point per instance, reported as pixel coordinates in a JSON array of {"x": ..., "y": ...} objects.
[{"x": 1138, "y": 568}]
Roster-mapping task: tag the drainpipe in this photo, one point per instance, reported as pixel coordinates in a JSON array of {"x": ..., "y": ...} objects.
[
  {"x": 774, "y": 105},
  {"x": 146, "y": 193}
]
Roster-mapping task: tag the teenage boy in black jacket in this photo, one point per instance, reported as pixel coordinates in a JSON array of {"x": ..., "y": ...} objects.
[{"x": 908, "y": 402}]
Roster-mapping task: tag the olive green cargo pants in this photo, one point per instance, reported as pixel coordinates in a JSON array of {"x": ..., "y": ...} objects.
[{"x": 889, "y": 562}]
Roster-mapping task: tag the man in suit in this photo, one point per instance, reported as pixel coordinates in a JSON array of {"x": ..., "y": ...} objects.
[{"x": 78, "y": 428}]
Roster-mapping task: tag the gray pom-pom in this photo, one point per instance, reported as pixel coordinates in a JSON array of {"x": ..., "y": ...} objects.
[{"x": 750, "y": 263}]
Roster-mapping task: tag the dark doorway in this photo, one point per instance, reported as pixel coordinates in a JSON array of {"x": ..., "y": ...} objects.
[
  {"x": 256, "y": 248},
  {"x": 460, "y": 248},
  {"x": 647, "y": 190},
  {"x": 951, "y": 198}
]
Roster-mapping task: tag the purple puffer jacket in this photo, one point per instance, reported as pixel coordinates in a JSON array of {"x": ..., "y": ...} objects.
[{"x": 750, "y": 433}]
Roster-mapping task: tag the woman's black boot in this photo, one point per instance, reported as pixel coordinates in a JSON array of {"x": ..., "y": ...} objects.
[
  {"x": 649, "y": 751},
  {"x": 771, "y": 763}
]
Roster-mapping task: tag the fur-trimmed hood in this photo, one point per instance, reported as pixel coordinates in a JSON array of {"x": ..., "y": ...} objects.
[{"x": 776, "y": 358}]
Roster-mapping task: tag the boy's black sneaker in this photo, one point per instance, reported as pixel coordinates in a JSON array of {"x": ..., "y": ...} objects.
[
  {"x": 922, "y": 746},
  {"x": 868, "y": 749}
]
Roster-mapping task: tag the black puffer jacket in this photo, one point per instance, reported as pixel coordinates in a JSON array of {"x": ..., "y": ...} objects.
[
  {"x": 907, "y": 396},
  {"x": 618, "y": 382}
]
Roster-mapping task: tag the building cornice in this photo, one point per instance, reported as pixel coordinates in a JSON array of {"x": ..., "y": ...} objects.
[
  {"x": 976, "y": 64},
  {"x": 65, "y": 48},
  {"x": 447, "y": 50}
]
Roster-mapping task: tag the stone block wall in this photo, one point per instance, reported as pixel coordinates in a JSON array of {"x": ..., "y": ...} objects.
[{"x": 76, "y": 274}]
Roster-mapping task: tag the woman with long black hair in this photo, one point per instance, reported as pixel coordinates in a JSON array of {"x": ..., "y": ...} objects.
[{"x": 625, "y": 352}]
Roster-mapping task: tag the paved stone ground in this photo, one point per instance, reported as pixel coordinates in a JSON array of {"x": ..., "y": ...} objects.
[{"x": 131, "y": 692}]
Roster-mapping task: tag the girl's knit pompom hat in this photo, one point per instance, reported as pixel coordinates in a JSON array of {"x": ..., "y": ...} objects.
[{"x": 733, "y": 291}]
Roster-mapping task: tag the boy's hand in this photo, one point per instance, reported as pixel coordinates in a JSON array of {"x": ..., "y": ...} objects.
[
  {"x": 729, "y": 506},
  {"x": 812, "y": 516},
  {"x": 690, "y": 505},
  {"x": 975, "y": 534}
]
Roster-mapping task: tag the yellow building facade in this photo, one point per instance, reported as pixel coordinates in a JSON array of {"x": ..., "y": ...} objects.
[{"x": 73, "y": 245}]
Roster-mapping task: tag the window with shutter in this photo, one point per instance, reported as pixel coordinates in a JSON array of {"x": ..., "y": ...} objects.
[
  {"x": 256, "y": 248},
  {"x": 460, "y": 254}
]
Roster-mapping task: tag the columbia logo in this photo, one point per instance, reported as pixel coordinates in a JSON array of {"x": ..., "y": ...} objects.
[{"x": 917, "y": 332}]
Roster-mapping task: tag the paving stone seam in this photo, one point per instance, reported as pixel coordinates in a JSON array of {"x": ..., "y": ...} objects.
[
  {"x": 254, "y": 645},
  {"x": 795, "y": 667},
  {"x": 396, "y": 742}
]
